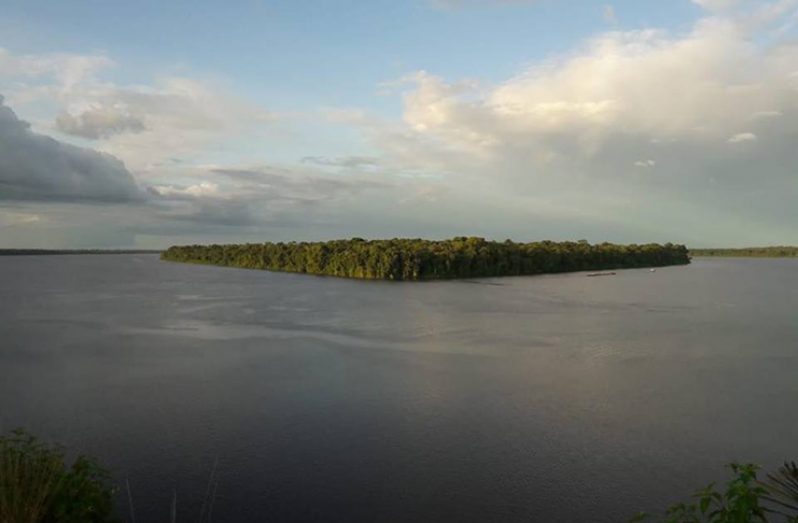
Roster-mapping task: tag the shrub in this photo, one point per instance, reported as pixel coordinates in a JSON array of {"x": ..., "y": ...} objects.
[
  {"x": 783, "y": 490},
  {"x": 36, "y": 485},
  {"x": 744, "y": 500}
]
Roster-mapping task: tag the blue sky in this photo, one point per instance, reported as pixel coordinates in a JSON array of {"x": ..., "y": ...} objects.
[
  {"x": 269, "y": 120},
  {"x": 324, "y": 52}
]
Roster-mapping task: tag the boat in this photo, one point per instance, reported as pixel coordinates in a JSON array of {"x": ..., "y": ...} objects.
[{"x": 601, "y": 274}]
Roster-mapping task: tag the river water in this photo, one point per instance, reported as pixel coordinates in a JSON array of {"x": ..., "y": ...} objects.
[{"x": 549, "y": 398}]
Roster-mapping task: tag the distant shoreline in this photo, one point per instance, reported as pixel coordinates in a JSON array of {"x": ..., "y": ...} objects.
[
  {"x": 49, "y": 252},
  {"x": 779, "y": 251}
]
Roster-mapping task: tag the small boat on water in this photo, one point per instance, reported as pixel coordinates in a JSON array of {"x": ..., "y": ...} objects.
[{"x": 601, "y": 274}]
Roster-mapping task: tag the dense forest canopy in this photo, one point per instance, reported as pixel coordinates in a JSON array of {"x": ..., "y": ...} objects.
[
  {"x": 417, "y": 259},
  {"x": 761, "y": 252}
]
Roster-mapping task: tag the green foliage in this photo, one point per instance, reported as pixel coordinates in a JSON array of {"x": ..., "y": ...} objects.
[
  {"x": 752, "y": 252},
  {"x": 29, "y": 475},
  {"x": 744, "y": 500},
  {"x": 417, "y": 259},
  {"x": 783, "y": 490},
  {"x": 36, "y": 485}
]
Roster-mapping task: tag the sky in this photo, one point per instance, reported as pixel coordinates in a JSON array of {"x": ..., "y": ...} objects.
[{"x": 146, "y": 124}]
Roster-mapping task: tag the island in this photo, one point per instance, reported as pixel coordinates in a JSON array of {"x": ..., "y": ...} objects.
[
  {"x": 418, "y": 259},
  {"x": 778, "y": 251}
]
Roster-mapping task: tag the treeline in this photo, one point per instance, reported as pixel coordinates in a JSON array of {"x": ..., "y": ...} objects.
[
  {"x": 417, "y": 259},
  {"x": 31, "y": 252},
  {"x": 755, "y": 252}
]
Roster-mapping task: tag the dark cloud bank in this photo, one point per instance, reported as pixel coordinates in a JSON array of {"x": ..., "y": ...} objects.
[{"x": 34, "y": 167}]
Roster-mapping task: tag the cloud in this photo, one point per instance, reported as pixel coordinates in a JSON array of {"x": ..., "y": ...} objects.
[
  {"x": 351, "y": 162},
  {"x": 13, "y": 219},
  {"x": 257, "y": 196},
  {"x": 566, "y": 148},
  {"x": 455, "y": 4},
  {"x": 717, "y": 5},
  {"x": 39, "y": 168},
  {"x": 742, "y": 137},
  {"x": 767, "y": 114},
  {"x": 67, "y": 69},
  {"x": 643, "y": 81},
  {"x": 567, "y": 137},
  {"x": 176, "y": 117},
  {"x": 216, "y": 212},
  {"x": 145, "y": 124},
  {"x": 608, "y": 13},
  {"x": 99, "y": 122},
  {"x": 203, "y": 189},
  {"x": 295, "y": 185},
  {"x": 695, "y": 87}
]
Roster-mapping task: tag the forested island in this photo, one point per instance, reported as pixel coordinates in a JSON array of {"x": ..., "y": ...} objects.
[
  {"x": 754, "y": 252},
  {"x": 417, "y": 259}
]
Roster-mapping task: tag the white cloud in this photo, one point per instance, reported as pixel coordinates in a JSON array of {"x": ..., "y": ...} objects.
[
  {"x": 179, "y": 117},
  {"x": 67, "y": 69},
  {"x": 717, "y": 5},
  {"x": 455, "y": 4},
  {"x": 145, "y": 125},
  {"x": 99, "y": 122},
  {"x": 767, "y": 114},
  {"x": 203, "y": 189},
  {"x": 565, "y": 137},
  {"x": 697, "y": 87},
  {"x": 742, "y": 137},
  {"x": 15, "y": 219}
]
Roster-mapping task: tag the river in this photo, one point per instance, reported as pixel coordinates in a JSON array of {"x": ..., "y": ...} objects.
[{"x": 547, "y": 398}]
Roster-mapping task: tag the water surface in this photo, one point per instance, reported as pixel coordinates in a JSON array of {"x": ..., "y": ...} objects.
[{"x": 549, "y": 398}]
